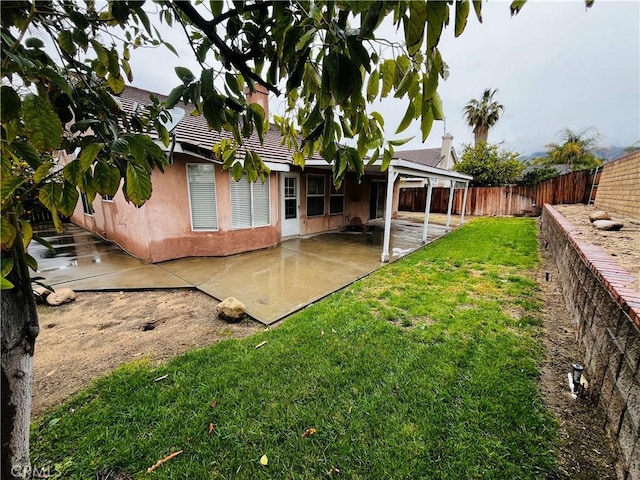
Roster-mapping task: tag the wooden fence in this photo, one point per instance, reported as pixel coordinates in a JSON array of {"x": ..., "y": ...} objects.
[{"x": 573, "y": 187}]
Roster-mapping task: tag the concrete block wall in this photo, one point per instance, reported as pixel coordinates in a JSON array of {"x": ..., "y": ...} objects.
[
  {"x": 607, "y": 317},
  {"x": 619, "y": 186}
]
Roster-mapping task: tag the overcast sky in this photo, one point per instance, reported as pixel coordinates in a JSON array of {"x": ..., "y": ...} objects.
[{"x": 556, "y": 65}]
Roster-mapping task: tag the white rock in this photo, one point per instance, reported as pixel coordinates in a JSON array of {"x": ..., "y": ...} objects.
[{"x": 63, "y": 295}]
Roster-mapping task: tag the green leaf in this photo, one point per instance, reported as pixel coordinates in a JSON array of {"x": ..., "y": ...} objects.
[
  {"x": 27, "y": 233},
  {"x": 32, "y": 263},
  {"x": 406, "y": 83},
  {"x": 175, "y": 95},
  {"x": 343, "y": 75},
  {"x": 58, "y": 80},
  {"x": 415, "y": 25},
  {"x": 7, "y": 265},
  {"x": 106, "y": 178},
  {"x": 401, "y": 141},
  {"x": 462, "y": 13},
  {"x": 101, "y": 52},
  {"x": 89, "y": 154},
  {"x": 407, "y": 119},
  {"x": 33, "y": 42},
  {"x": 185, "y": 75},
  {"x": 386, "y": 159},
  {"x": 50, "y": 194},
  {"x": 42, "y": 125},
  {"x": 72, "y": 172},
  {"x": 437, "y": 18},
  {"x": 7, "y": 233},
  {"x": 8, "y": 185},
  {"x": 42, "y": 172},
  {"x": 5, "y": 284},
  {"x": 258, "y": 118},
  {"x": 10, "y": 104},
  {"x": 65, "y": 40},
  {"x": 27, "y": 153},
  {"x": 517, "y": 5},
  {"x": 216, "y": 7},
  {"x": 137, "y": 184},
  {"x": 426, "y": 122},
  {"x": 373, "y": 86},
  {"x": 388, "y": 70},
  {"x": 236, "y": 171},
  {"x": 116, "y": 82},
  {"x": 68, "y": 199},
  {"x": 232, "y": 83},
  {"x": 436, "y": 107},
  {"x": 44, "y": 243}
]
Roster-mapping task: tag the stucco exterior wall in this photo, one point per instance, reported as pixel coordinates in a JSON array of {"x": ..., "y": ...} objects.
[
  {"x": 619, "y": 186},
  {"x": 161, "y": 229}
]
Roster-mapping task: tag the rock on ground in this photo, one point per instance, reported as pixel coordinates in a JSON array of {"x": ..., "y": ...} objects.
[
  {"x": 231, "y": 309},
  {"x": 608, "y": 225},
  {"x": 599, "y": 215},
  {"x": 63, "y": 295}
]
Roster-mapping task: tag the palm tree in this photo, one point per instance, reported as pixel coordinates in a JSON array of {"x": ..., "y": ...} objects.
[
  {"x": 575, "y": 150},
  {"x": 483, "y": 114}
]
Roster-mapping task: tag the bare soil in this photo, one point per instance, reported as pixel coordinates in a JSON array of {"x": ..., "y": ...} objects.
[
  {"x": 99, "y": 331},
  {"x": 88, "y": 338}
]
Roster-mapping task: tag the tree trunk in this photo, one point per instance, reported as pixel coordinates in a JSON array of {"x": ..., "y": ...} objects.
[
  {"x": 19, "y": 331},
  {"x": 481, "y": 134}
]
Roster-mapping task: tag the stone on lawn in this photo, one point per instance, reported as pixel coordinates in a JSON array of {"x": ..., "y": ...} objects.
[
  {"x": 608, "y": 225},
  {"x": 231, "y": 309},
  {"x": 60, "y": 296},
  {"x": 599, "y": 215}
]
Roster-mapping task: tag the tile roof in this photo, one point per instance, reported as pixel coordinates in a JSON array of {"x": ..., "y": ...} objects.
[{"x": 193, "y": 131}]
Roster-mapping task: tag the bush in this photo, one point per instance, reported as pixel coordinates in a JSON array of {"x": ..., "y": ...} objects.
[{"x": 489, "y": 166}]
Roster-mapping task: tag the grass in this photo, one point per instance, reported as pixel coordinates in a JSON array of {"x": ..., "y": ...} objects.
[{"x": 425, "y": 369}]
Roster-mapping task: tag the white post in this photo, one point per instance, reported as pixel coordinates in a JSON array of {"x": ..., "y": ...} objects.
[
  {"x": 427, "y": 211},
  {"x": 452, "y": 190},
  {"x": 391, "y": 179},
  {"x": 464, "y": 202}
]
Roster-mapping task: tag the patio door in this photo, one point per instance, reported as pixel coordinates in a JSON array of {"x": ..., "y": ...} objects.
[
  {"x": 290, "y": 188},
  {"x": 377, "y": 195}
]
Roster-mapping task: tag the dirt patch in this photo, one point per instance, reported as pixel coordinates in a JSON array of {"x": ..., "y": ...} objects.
[
  {"x": 624, "y": 244},
  {"x": 90, "y": 337}
]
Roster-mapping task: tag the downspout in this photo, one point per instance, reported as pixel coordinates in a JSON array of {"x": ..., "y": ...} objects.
[{"x": 391, "y": 179}]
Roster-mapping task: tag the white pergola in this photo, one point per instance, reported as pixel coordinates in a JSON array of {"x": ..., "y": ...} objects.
[{"x": 398, "y": 168}]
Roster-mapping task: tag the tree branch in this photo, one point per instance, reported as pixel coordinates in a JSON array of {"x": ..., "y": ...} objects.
[{"x": 236, "y": 59}]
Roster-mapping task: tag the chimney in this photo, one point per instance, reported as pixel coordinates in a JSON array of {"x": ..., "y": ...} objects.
[
  {"x": 259, "y": 95},
  {"x": 447, "y": 158}
]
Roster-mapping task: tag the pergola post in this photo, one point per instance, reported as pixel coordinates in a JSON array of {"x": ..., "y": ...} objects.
[
  {"x": 427, "y": 211},
  {"x": 452, "y": 190},
  {"x": 392, "y": 175},
  {"x": 464, "y": 202}
]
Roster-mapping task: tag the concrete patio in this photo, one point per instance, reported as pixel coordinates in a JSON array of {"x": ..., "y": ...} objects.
[{"x": 272, "y": 283}]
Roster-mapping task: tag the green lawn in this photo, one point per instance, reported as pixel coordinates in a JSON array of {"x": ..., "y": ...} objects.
[{"x": 425, "y": 369}]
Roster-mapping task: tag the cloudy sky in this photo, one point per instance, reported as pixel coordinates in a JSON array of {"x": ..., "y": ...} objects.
[{"x": 556, "y": 65}]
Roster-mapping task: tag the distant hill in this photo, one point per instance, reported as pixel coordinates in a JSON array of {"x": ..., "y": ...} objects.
[{"x": 606, "y": 153}]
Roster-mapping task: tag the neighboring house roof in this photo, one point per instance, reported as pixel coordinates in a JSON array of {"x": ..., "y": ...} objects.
[
  {"x": 193, "y": 133},
  {"x": 430, "y": 157}
]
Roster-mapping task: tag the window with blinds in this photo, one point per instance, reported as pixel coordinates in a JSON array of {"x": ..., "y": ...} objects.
[
  {"x": 249, "y": 203},
  {"x": 202, "y": 196}
]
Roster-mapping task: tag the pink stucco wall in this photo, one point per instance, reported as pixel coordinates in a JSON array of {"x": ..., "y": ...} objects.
[{"x": 161, "y": 229}]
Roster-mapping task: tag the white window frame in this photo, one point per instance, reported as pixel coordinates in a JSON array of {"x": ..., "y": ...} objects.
[
  {"x": 251, "y": 200},
  {"x": 317, "y": 195},
  {"x": 86, "y": 205},
  {"x": 215, "y": 192}
]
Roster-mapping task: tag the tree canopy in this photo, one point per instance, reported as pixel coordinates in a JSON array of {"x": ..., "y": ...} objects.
[
  {"x": 575, "y": 150},
  {"x": 490, "y": 166},
  {"x": 483, "y": 114}
]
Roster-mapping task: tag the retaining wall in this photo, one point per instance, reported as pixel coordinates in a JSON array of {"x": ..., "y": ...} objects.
[{"x": 607, "y": 317}]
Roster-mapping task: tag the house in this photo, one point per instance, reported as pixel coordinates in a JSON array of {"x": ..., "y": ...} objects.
[
  {"x": 197, "y": 209},
  {"x": 444, "y": 158}
]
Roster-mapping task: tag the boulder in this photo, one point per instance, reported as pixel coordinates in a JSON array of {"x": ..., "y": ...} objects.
[
  {"x": 599, "y": 215},
  {"x": 41, "y": 294},
  {"x": 63, "y": 295},
  {"x": 608, "y": 225},
  {"x": 231, "y": 309}
]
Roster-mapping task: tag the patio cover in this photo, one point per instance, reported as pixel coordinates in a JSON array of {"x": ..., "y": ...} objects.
[{"x": 404, "y": 168}]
